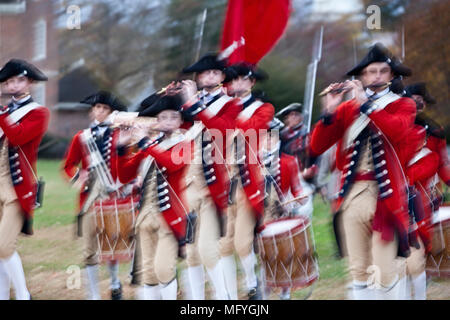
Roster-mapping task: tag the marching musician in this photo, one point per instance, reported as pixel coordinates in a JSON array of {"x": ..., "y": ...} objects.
[
  {"x": 282, "y": 182},
  {"x": 247, "y": 170},
  {"x": 371, "y": 131},
  {"x": 294, "y": 141},
  {"x": 23, "y": 123},
  {"x": 208, "y": 180},
  {"x": 435, "y": 133},
  {"x": 162, "y": 225},
  {"x": 282, "y": 170},
  {"x": 422, "y": 171},
  {"x": 294, "y": 136},
  {"x": 103, "y": 104}
]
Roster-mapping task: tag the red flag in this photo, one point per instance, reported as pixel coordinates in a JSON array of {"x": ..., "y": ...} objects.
[{"x": 252, "y": 28}]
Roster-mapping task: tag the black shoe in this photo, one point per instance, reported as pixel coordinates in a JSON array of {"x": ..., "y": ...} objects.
[
  {"x": 254, "y": 294},
  {"x": 116, "y": 294}
]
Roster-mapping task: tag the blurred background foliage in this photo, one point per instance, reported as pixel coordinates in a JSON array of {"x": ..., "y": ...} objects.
[{"x": 136, "y": 47}]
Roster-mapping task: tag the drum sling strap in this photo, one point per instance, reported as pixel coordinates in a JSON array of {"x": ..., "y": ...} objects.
[{"x": 103, "y": 180}]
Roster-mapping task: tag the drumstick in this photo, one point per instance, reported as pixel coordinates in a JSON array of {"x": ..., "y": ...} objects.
[{"x": 297, "y": 198}]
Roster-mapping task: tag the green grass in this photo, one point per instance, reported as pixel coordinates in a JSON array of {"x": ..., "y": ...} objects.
[
  {"x": 60, "y": 199},
  {"x": 61, "y": 202},
  {"x": 57, "y": 247},
  {"x": 330, "y": 266}
]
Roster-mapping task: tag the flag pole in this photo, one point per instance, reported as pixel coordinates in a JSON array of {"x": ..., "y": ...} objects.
[
  {"x": 403, "y": 43},
  {"x": 200, "y": 37},
  {"x": 311, "y": 74},
  {"x": 355, "y": 58}
]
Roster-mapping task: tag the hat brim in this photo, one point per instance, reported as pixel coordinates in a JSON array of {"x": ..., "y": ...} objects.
[
  {"x": 379, "y": 53},
  {"x": 161, "y": 104},
  {"x": 421, "y": 90},
  {"x": 207, "y": 62},
  {"x": 149, "y": 101},
  {"x": 17, "y": 67},
  {"x": 285, "y": 111},
  {"x": 241, "y": 70},
  {"x": 106, "y": 98},
  {"x": 397, "y": 69}
]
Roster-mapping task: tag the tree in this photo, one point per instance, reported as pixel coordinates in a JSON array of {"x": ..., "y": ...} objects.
[
  {"x": 287, "y": 63},
  {"x": 179, "y": 36},
  {"x": 428, "y": 53},
  {"x": 118, "y": 46}
]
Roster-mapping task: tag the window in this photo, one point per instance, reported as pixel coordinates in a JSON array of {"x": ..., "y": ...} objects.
[
  {"x": 39, "y": 93},
  {"x": 40, "y": 40},
  {"x": 12, "y": 6}
]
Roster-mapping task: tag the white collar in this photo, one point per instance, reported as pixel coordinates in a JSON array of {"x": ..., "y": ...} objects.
[
  {"x": 371, "y": 93},
  {"x": 211, "y": 94},
  {"x": 207, "y": 97},
  {"x": 108, "y": 121},
  {"x": 21, "y": 100},
  {"x": 246, "y": 98},
  {"x": 102, "y": 129}
]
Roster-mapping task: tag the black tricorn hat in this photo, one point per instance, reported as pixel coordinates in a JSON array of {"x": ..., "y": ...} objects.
[
  {"x": 246, "y": 70},
  {"x": 230, "y": 74},
  {"x": 165, "y": 102},
  {"x": 146, "y": 103},
  {"x": 276, "y": 124},
  {"x": 105, "y": 97},
  {"x": 379, "y": 53},
  {"x": 208, "y": 62},
  {"x": 295, "y": 106},
  {"x": 420, "y": 89},
  {"x": 16, "y": 67}
]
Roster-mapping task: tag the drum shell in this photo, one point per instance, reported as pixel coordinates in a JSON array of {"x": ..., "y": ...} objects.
[
  {"x": 438, "y": 262},
  {"x": 288, "y": 258},
  {"x": 115, "y": 220}
]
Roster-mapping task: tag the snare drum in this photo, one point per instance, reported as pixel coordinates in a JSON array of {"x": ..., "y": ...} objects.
[
  {"x": 438, "y": 261},
  {"x": 115, "y": 220},
  {"x": 287, "y": 253}
]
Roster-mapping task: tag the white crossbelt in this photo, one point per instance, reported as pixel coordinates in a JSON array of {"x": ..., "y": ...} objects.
[
  {"x": 20, "y": 113},
  {"x": 248, "y": 112},
  {"x": 363, "y": 120},
  {"x": 217, "y": 105},
  {"x": 419, "y": 155}
]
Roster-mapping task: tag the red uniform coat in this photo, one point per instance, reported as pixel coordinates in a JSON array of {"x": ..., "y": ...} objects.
[
  {"x": 295, "y": 141},
  {"x": 288, "y": 176},
  {"x": 391, "y": 126},
  {"x": 436, "y": 143},
  {"x": 439, "y": 146},
  {"x": 216, "y": 173},
  {"x": 24, "y": 138},
  {"x": 170, "y": 180},
  {"x": 420, "y": 170},
  {"x": 77, "y": 153},
  {"x": 250, "y": 125},
  {"x": 424, "y": 166}
]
